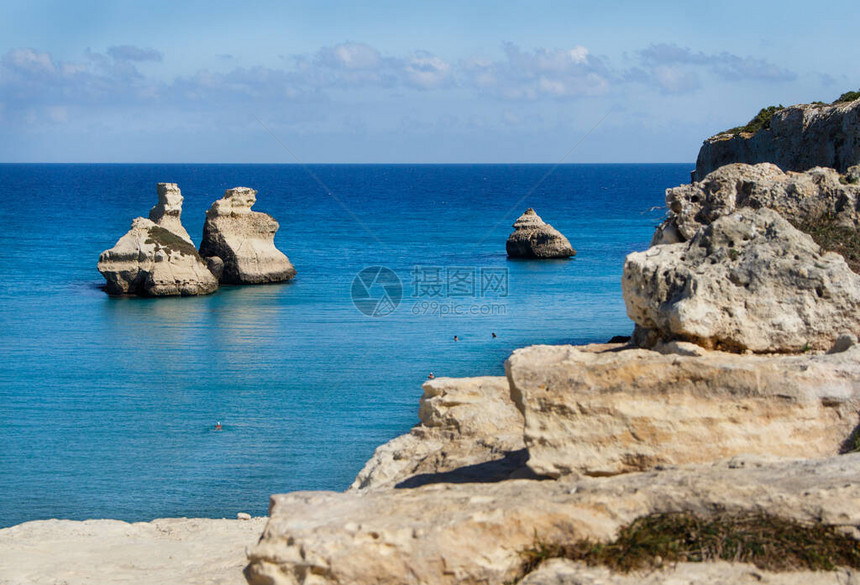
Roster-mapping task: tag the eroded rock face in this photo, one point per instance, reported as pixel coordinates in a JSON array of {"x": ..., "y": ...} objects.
[
  {"x": 562, "y": 572},
  {"x": 153, "y": 261},
  {"x": 533, "y": 238},
  {"x": 604, "y": 409},
  {"x": 798, "y": 197},
  {"x": 156, "y": 257},
  {"x": 243, "y": 241},
  {"x": 799, "y": 138},
  {"x": 168, "y": 212},
  {"x": 748, "y": 281},
  {"x": 471, "y": 534},
  {"x": 470, "y": 430}
]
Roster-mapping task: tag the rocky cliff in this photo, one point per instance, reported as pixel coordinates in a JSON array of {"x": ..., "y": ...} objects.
[
  {"x": 796, "y": 138},
  {"x": 629, "y": 433},
  {"x": 748, "y": 281},
  {"x": 808, "y": 197}
]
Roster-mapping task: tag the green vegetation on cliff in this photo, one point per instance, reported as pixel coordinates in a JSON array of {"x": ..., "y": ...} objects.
[
  {"x": 762, "y": 119},
  {"x": 768, "y": 542},
  {"x": 760, "y": 122},
  {"x": 169, "y": 241},
  {"x": 848, "y": 96}
]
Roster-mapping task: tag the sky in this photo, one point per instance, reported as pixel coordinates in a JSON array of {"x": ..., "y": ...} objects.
[{"x": 405, "y": 82}]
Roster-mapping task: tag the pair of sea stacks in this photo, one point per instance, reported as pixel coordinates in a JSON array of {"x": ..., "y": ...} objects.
[
  {"x": 157, "y": 258},
  {"x": 534, "y": 238}
]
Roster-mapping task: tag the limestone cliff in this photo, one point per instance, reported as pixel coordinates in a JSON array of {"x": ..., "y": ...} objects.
[
  {"x": 796, "y": 138},
  {"x": 748, "y": 281}
]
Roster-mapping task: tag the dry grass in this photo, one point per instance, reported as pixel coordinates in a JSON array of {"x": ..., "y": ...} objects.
[
  {"x": 834, "y": 238},
  {"x": 768, "y": 542}
]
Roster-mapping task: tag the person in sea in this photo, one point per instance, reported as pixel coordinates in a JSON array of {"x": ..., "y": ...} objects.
[
  {"x": 431, "y": 376},
  {"x": 456, "y": 338},
  {"x": 218, "y": 426}
]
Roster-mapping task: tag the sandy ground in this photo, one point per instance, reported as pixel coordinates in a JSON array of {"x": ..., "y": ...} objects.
[{"x": 170, "y": 551}]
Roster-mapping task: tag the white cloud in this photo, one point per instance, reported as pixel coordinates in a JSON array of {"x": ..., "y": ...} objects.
[
  {"x": 426, "y": 71},
  {"x": 674, "y": 79},
  {"x": 28, "y": 61},
  {"x": 530, "y": 75},
  {"x": 725, "y": 65},
  {"x": 350, "y": 56}
]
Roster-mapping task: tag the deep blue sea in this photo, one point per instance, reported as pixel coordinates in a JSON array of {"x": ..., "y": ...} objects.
[{"x": 108, "y": 405}]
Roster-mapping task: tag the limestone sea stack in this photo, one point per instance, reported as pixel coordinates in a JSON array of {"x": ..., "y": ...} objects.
[
  {"x": 534, "y": 238},
  {"x": 239, "y": 244},
  {"x": 156, "y": 257},
  {"x": 168, "y": 211},
  {"x": 795, "y": 138}
]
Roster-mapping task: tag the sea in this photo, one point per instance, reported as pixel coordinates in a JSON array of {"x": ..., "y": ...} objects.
[{"x": 109, "y": 406}]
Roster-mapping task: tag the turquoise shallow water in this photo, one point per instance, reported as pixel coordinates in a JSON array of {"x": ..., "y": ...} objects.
[{"x": 107, "y": 405}]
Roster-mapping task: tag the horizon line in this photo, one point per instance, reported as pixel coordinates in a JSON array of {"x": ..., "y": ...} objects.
[{"x": 343, "y": 163}]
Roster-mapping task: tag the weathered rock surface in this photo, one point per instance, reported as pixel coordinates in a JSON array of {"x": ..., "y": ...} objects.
[
  {"x": 533, "y": 238},
  {"x": 243, "y": 241},
  {"x": 604, "y": 409},
  {"x": 748, "y": 281},
  {"x": 474, "y": 533},
  {"x": 168, "y": 212},
  {"x": 563, "y": 572},
  {"x": 799, "y": 197},
  {"x": 799, "y": 138},
  {"x": 175, "y": 551},
  {"x": 151, "y": 260},
  {"x": 470, "y": 430}
]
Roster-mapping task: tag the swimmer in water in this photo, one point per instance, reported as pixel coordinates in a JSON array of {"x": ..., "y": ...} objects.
[
  {"x": 456, "y": 338},
  {"x": 494, "y": 335},
  {"x": 218, "y": 426},
  {"x": 431, "y": 376}
]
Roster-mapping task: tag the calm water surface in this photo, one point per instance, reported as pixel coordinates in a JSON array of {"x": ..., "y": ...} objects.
[{"x": 107, "y": 405}]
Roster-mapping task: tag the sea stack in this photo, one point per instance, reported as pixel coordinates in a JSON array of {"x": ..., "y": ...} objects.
[
  {"x": 534, "y": 238},
  {"x": 239, "y": 244},
  {"x": 168, "y": 211},
  {"x": 156, "y": 257}
]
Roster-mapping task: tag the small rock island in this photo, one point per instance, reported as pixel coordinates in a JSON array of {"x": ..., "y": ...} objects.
[
  {"x": 157, "y": 258},
  {"x": 534, "y": 238},
  {"x": 239, "y": 244}
]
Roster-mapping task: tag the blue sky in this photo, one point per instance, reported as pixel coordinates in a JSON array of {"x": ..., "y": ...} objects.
[{"x": 93, "y": 81}]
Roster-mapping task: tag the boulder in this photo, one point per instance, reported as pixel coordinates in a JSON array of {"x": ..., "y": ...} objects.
[
  {"x": 533, "y": 238},
  {"x": 156, "y": 257},
  {"x": 608, "y": 409},
  {"x": 470, "y": 430},
  {"x": 470, "y": 534},
  {"x": 748, "y": 281},
  {"x": 798, "y": 138},
  {"x": 809, "y": 196},
  {"x": 240, "y": 243}
]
